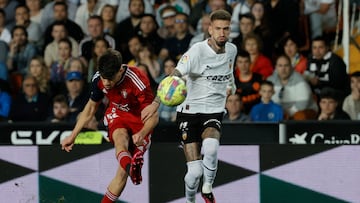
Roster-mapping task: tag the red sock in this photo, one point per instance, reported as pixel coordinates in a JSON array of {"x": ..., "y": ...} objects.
[
  {"x": 109, "y": 197},
  {"x": 124, "y": 158}
]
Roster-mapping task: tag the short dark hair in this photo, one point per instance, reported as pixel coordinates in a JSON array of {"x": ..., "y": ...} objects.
[
  {"x": 21, "y": 28},
  {"x": 322, "y": 39},
  {"x": 110, "y": 63},
  {"x": 248, "y": 16},
  {"x": 267, "y": 82},
  {"x": 243, "y": 53},
  {"x": 220, "y": 15},
  {"x": 355, "y": 74},
  {"x": 60, "y": 98},
  {"x": 329, "y": 93}
]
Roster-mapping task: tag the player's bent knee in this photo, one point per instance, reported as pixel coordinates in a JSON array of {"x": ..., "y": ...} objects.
[{"x": 194, "y": 173}]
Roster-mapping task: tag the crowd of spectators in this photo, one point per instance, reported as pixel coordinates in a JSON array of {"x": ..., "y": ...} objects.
[{"x": 285, "y": 67}]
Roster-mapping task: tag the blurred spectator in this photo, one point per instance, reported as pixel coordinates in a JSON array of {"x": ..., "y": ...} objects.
[
  {"x": 283, "y": 18},
  {"x": 96, "y": 29},
  {"x": 247, "y": 83},
  {"x": 21, "y": 51},
  {"x": 77, "y": 94},
  {"x": 36, "y": 10},
  {"x": 108, "y": 15},
  {"x": 5, "y": 99},
  {"x": 241, "y": 8},
  {"x": 60, "y": 14},
  {"x": 322, "y": 15},
  {"x": 30, "y": 105},
  {"x": 4, "y": 49},
  {"x": 330, "y": 108},
  {"x": 204, "y": 34},
  {"x": 100, "y": 47},
  {"x": 59, "y": 68},
  {"x": 60, "y": 110},
  {"x": 167, "y": 22},
  {"x": 266, "y": 110},
  {"x": 153, "y": 83},
  {"x": 180, "y": 6},
  {"x": 234, "y": 112},
  {"x": 351, "y": 104},
  {"x": 259, "y": 62},
  {"x": 326, "y": 69},
  {"x": 176, "y": 46},
  {"x": 167, "y": 113},
  {"x": 50, "y": 13},
  {"x": 246, "y": 25},
  {"x": 35, "y": 34},
  {"x": 41, "y": 72},
  {"x": 148, "y": 33},
  {"x": 205, "y": 7},
  {"x": 124, "y": 10},
  {"x": 51, "y": 52},
  {"x": 291, "y": 49},
  {"x": 262, "y": 27},
  {"x": 78, "y": 64},
  {"x": 129, "y": 27},
  {"x": 9, "y": 6},
  {"x": 5, "y": 34},
  {"x": 85, "y": 11},
  {"x": 134, "y": 45},
  {"x": 4, "y": 75},
  {"x": 148, "y": 57},
  {"x": 292, "y": 91}
]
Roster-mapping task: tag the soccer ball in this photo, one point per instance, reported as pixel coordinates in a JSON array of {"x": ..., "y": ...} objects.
[{"x": 172, "y": 91}]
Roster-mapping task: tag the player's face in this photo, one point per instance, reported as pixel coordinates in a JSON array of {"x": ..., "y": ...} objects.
[
  {"x": 110, "y": 83},
  {"x": 219, "y": 30}
]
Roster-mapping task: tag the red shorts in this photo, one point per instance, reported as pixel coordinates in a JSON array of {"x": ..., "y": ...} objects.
[{"x": 131, "y": 123}]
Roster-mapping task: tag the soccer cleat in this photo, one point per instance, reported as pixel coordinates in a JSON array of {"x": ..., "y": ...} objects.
[
  {"x": 135, "y": 168},
  {"x": 208, "y": 197}
]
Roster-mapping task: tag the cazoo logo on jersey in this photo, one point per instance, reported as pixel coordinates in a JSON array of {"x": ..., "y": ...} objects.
[{"x": 320, "y": 138}]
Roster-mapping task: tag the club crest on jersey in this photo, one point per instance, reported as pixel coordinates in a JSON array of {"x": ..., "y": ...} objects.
[
  {"x": 124, "y": 94},
  {"x": 184, "y": 59}
]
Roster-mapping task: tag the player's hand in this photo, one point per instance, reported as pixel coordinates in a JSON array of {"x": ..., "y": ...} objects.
[
  {"x": 138, "y": 139},
  {"x": 149, "y": 111},
  {"x": 67, "y": 143}
]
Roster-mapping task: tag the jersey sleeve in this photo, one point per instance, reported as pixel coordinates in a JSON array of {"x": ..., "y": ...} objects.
[
  {"x": 96, "y": 93},
  {"x": 188, "y": 61},
  {"x": 144, "y": 92}
]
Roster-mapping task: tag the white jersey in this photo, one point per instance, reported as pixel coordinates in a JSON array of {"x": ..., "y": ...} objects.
[{"x": 208, "y": 75}]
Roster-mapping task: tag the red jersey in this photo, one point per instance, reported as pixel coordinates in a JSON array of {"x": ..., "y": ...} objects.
[
  {"x": 126, "y": 100},
  {"x": 131, "y": 94}
]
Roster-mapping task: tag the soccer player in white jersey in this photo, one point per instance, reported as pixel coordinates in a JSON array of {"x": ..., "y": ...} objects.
[{"x": 208, "y": 69}]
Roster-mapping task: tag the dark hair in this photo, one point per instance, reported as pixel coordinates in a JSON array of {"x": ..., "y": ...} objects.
[
  {"x": 19, "y": 27},
  {"x": 355, "y": 74},
  {"x": 243, "y": 53},
  {"x": 110, "y": 63},
  {"x": 2, "y": 12},
  {"x": 22, "y": 6},
  {"x": 248, "y": 16},
  {"x": 67, "y": 41},
  {"x": 60, "y": 98},
  {"x": 220, "y": 15},
  {"x": 329, "y": 93},
  {"x": 61, "y": 3},
  {"x": 256, "y": 38},
  {"x": 283, "y": 56},
  {"x": 322, "y": 39},
  {"x": 96, "y": 17},
  {"x": 291, "y": 38},
  {"x": 267, "y": 82}
]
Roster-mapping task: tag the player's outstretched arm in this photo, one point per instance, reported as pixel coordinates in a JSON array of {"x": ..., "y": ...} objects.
[
  {"x": 149, "y": 125},
  {"x": 84, "y": 117}
]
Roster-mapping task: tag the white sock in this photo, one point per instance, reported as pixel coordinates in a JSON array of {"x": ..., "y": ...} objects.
[{"x": 210, "y": 147}]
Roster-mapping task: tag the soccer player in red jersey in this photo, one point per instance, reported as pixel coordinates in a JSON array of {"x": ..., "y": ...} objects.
[{"x": 129, "y": 92}]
